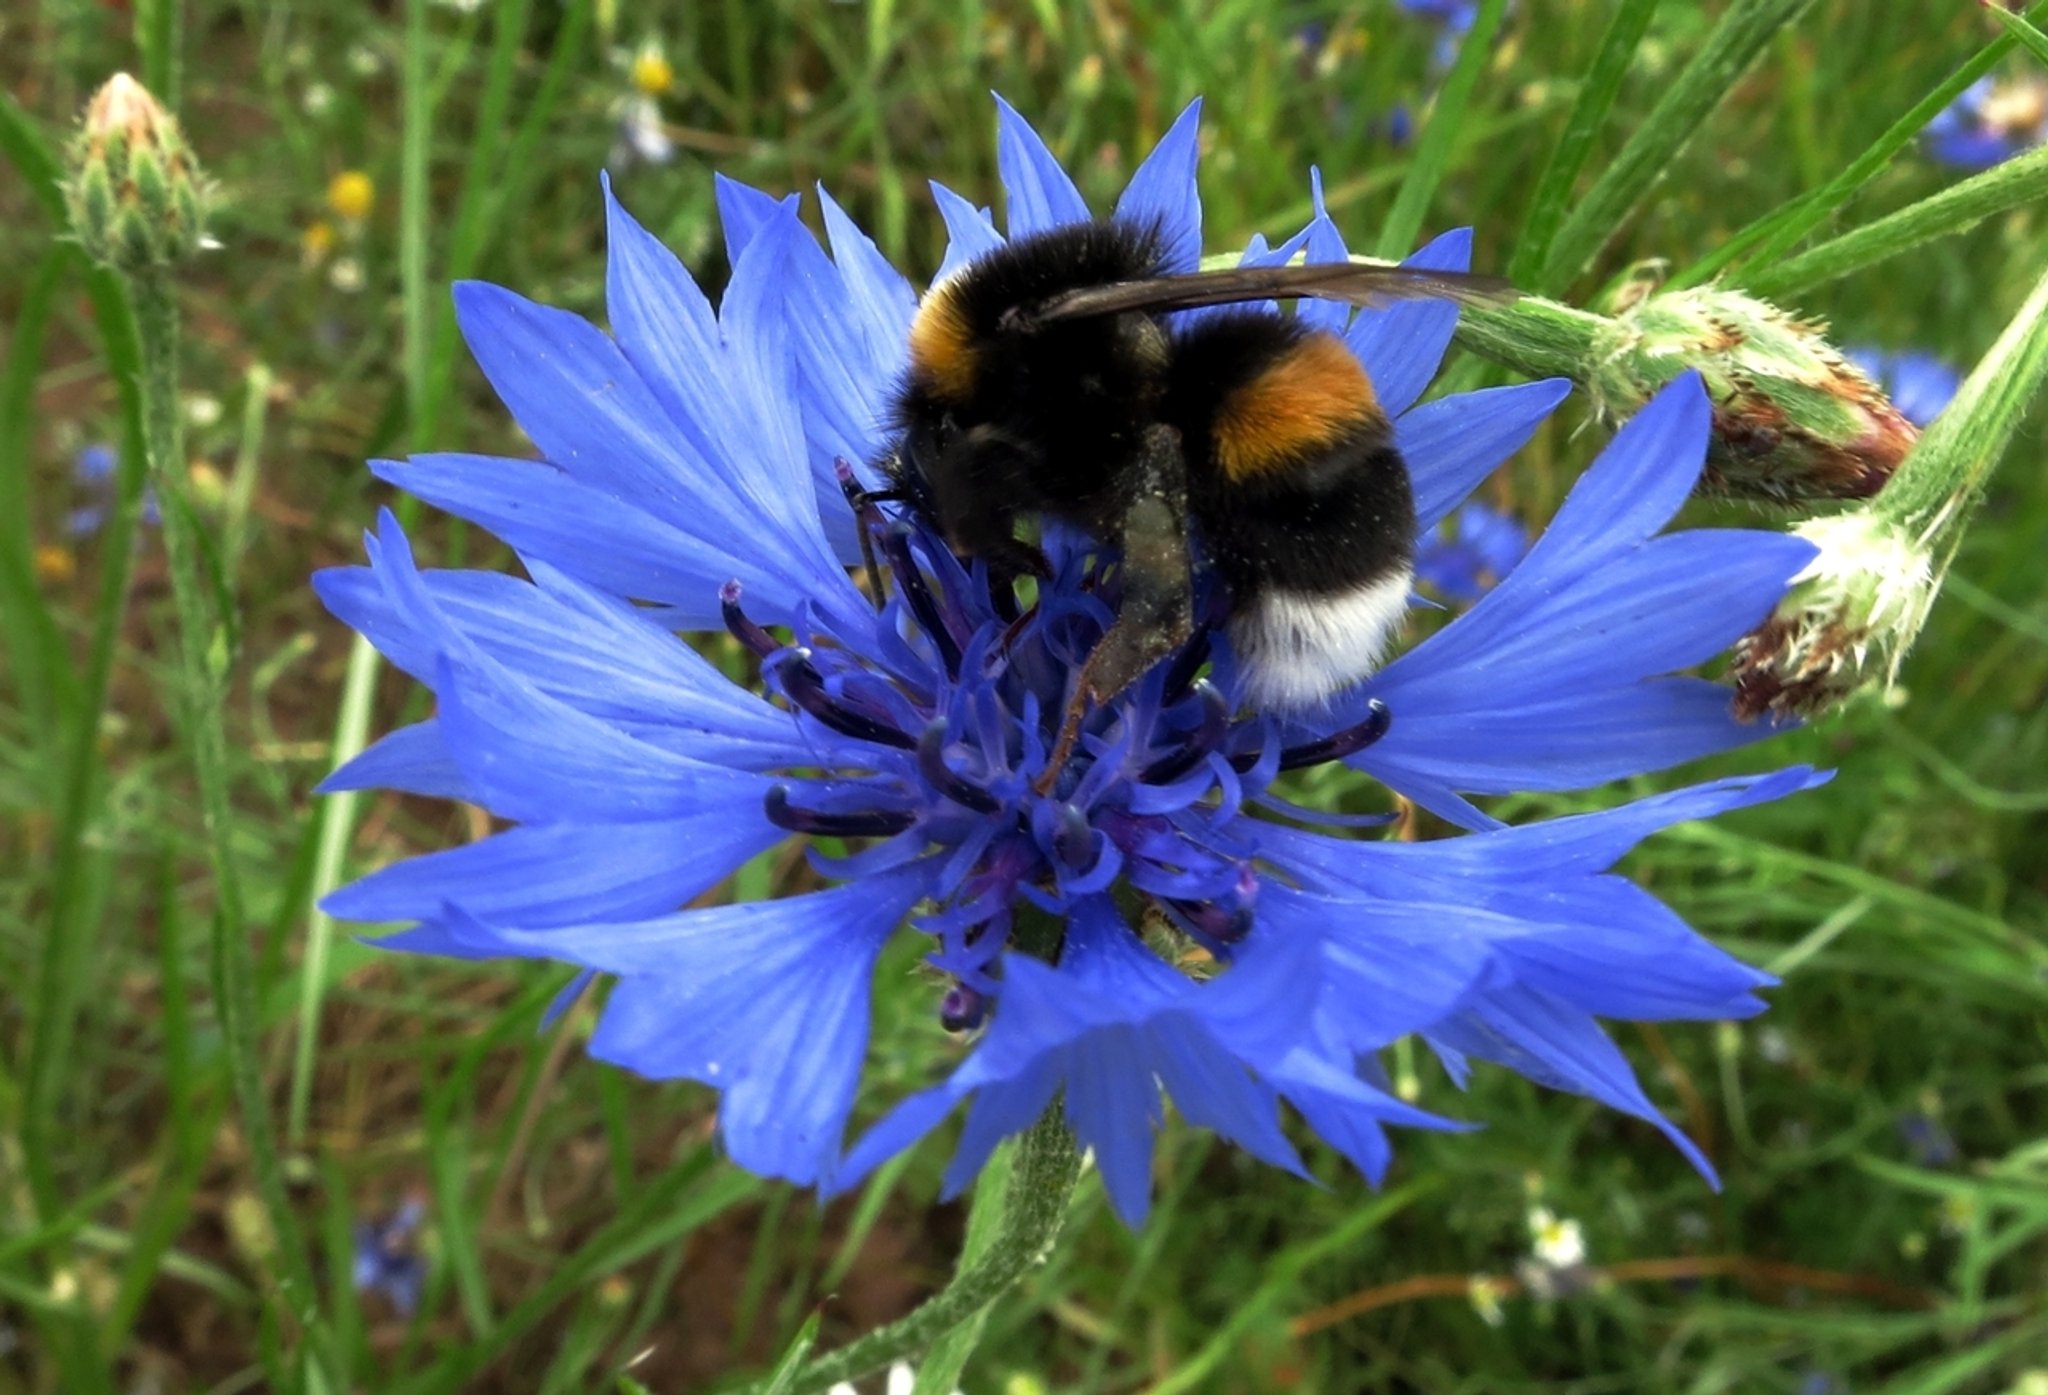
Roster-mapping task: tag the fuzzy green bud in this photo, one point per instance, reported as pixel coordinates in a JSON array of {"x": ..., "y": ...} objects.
[
  {"x": 136, "y": 196},
  {"x": 1847, "y": 618},
  {"x": 1793, "y": 419}
]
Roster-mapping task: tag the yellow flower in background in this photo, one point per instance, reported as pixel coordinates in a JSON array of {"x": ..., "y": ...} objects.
[
  {"x": 351, "y": 195},
  {"x": 54, "y": 565},
  {"x": 316, "y": 242},
  {"x": 651, "y": 73}
]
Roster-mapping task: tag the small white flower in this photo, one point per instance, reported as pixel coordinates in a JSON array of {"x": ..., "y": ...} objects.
[
  {"x": 317, "y": 100},
  {"x": 902, "y": 1380},
  {"x": 641, "y": 138},
  {"x": 1557, "y": 1242},
  {"x": 346, "y": 275},
  {"x": 201, "y": 410}
]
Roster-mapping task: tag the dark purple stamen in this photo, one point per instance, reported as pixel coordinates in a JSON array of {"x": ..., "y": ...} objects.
[
  {"x": 962, "y": 1009},
  {"x": 1074, "y": 840},
  {"x": 803, "y": 685},
  {"x": 1198, "y": 744},
  {"x": 1213, "y": 922},
  {"x": 875, "y": 823},
  {"x": 931, "y": 760},
  {"x": 866, "y": 519},
  {"x": 896, "y": 547},
  {"x": 1338, "y": 745},
  {"x": 744, "y": 630}
]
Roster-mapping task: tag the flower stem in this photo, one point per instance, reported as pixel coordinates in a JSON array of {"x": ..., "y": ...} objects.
[
  {"x": 1938, "y": 486},
  {"x": 2013, "y": 184},
  {"x": 1534, "y": 336},
  {"x": 205, "y": 660},
  {"x": 1030, "y": 1203}
]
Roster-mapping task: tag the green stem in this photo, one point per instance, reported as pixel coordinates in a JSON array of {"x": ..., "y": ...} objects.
[
  {"x": 1770, "y": 236},
  {"x": 204, "y": 686},
  {"x": 1534, "y": 336},
  {"x": 1937, "y": 486},
  {"x": 2016, "y": 182},
  {"x": 1735, "y": 44},
  {"x": 1033, "y": 1200}
]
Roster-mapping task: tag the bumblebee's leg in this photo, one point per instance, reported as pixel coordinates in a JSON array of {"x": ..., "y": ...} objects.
[
  {"x": 1156, "y": 617},
  {"x": 977, "y": 516},
  {"x": 862, "y": 502}
]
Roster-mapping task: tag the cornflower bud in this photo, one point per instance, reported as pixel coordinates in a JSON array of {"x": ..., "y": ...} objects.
[
  {"x": 1793, "y": 418},
  {"x": 136, "y": 196},
  {"x": 1852, "y": 614}
]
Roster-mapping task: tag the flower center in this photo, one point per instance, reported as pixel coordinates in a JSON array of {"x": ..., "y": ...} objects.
[{"x": 939, "y": 746}]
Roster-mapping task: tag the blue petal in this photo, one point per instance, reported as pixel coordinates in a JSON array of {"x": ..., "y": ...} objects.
[
  {"x": 1553, "y": 680},
  {"x": 743, "y": 211},
  {"x": 878, "y": 296},
  {"x": 411, "y": 760},
  {"x": 843, "y": 397},
  {"x": 969, "y": 232},
  {"x": 756, "y": 318},
  {"x": 1039, "y": 195},
  {"x": 1455, "y": 442},
  {"x": 1163, "y": 194},
  {"x": 1403, "y": 344},
  {"x": 1325, "y": 244},
  {"x": 767, "y": 1001},
  {"x": 1563, "y": 1049},
  {"x": 597, "y": 537},
  {"x": 553, "y": 874},
  {"x": 1635, "y": 486},
  {"x": 595, "y": 653},
  {"x": 534, "y": 759}
]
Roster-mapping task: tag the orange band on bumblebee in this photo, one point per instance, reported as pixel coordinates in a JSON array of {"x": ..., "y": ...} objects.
[{"x": 1308, "y": 399}]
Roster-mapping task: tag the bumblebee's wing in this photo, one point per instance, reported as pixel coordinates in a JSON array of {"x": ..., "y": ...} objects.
[{"x": 1350, "y": 282}]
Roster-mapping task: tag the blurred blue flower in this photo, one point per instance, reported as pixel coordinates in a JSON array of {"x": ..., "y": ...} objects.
[
  {"x": 1453, "y": 18},
  {"x": 1463, "y": 559},
  {"x": 695, "y": 476},
  {"x": 386, "y": 1259},
  {"x": 1927, "y": 1139},
  {"x": 92, "y": 472},
  {"x": 1991, "y": 121},
  {"x": 1919, "y": 384}
]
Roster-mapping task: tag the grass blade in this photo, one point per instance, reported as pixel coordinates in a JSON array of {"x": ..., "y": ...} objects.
[
  {"x": 1601, "y": 86},
  {"x": 1733, "y": 46}
]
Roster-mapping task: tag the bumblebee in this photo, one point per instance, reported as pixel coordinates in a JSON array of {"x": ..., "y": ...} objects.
[{"x": 1045, "y": 379}]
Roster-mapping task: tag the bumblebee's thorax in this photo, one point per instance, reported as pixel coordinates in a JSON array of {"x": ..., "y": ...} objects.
[{"x": 1000, "y": 418}]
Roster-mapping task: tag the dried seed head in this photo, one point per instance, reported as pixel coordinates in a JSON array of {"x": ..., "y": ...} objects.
[{"x": 1847, "y": 619}]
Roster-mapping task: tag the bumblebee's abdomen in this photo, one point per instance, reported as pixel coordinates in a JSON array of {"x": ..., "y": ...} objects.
[
  {"x": 1308, "y": 401},
  {"x": 1301, "y": 499}
]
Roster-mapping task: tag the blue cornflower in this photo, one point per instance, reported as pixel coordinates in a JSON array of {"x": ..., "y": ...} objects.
[
  {"x": 386, "y": 1258},
  {"x": 1453, "y": 19},
  {"x": 1464, "y": 558},
  {"x": 697, "y": 473},
  {"x": 92, "y": 470},
  {"x": 1991, "y": 122},
  {"x": 1919, "y": 384}
]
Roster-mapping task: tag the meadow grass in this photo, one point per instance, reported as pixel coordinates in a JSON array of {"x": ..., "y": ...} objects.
[{"x": 580, "y": 1220}]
